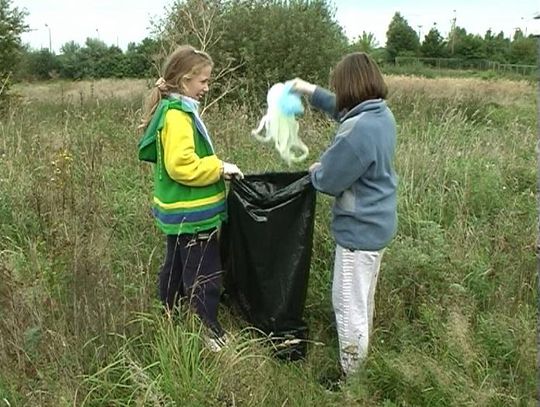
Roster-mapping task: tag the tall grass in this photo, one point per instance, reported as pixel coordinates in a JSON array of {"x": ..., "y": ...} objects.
[{"x": 455, "y": 307}]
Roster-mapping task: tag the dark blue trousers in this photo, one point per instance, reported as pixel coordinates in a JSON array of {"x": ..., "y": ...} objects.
[{"x": 192, "y": 270}]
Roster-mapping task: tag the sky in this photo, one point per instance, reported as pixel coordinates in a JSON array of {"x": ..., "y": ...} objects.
[{"x": 119, "y": 22}]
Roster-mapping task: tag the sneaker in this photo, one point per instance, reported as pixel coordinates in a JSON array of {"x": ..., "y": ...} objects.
[{"x": 217, "y": 343}]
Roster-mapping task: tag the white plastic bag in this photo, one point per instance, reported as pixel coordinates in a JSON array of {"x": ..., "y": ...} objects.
[{"x": 280, "y": 125}]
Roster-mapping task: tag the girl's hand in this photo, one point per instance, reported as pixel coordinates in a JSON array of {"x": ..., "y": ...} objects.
[
  {"x": 314, "y": 166},
  {"x": 230, "y": 171},
  {"x": 301, "y": 86}
]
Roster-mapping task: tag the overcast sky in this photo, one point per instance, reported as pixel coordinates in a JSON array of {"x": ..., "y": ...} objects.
[{"x": 123, "y": 21}]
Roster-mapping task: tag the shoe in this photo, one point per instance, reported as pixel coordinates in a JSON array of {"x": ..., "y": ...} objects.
[{"x": 217, "y": 343}]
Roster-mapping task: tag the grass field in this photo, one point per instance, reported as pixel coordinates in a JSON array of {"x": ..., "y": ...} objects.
[{"x": 456, "y": 306}]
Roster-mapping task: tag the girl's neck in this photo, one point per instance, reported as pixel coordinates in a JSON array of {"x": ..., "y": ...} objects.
[{"x": 176, "y": 95}]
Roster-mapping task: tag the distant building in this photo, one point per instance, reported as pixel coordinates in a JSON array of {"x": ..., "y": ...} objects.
[{"x": 536, "y": 27}]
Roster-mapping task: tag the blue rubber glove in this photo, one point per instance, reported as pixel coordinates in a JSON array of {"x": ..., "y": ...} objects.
[{"x": 289, "y": 102}]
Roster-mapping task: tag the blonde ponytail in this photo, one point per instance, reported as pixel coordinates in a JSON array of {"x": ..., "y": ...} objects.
[{"x": 150, "y": 104}]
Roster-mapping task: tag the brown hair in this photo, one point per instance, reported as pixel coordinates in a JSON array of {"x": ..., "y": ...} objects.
[
  {"x": 357, "y": 78},
  {"x": 182, "y": 64}
]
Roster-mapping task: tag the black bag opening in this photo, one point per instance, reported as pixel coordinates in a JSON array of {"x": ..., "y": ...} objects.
[{"x": 266, "y": 252}]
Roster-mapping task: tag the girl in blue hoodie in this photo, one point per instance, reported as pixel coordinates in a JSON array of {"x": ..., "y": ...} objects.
[{"x": 358, "y": 170}]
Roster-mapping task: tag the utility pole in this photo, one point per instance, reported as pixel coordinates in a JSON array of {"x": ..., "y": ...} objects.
[
  {"x": 50, "y": 42},
  {"x": 523, "y": 24},
  {"x": 453, "y": 34}
]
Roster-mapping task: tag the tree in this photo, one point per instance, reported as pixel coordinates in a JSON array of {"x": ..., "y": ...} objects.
[
  {"x": 92, "y": 56},
  {"x": 523, "y": 50},
  {"x": 280, "y": 40},
  {"x": 497, "y": 47},
  {"x": 518, "y": 34},
  {"x": 259, "y": 42},
  {"x": 401, "y": 38},
  {"x": 365, "y": 43},
  {"x": 467, "y": 46},
  {"x": 41, "y": 64},
  {"x": 12, "y": 25},
  {"x": 433, "y": 45},
  {"x": 70, "y": 61},
  {"x": 140, "y": 58}
]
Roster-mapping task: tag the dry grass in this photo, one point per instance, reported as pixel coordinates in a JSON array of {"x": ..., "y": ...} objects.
[
  {"x": 502, "y": 91},
  {"x": 459, "y": 336},
  {"x": 75, "y": 90},
  {"x": 456, "y": 302}
]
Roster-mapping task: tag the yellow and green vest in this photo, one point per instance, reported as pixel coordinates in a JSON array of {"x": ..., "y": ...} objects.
[{"x": 180, "y": 208}]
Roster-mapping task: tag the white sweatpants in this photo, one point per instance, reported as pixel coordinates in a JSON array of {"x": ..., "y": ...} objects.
[{"x": 353, "y": 292}]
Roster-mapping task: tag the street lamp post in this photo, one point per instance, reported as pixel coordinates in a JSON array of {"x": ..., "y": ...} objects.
[
  {"x": 453, "y": 33},
  {"x": 50, "y": 42}
]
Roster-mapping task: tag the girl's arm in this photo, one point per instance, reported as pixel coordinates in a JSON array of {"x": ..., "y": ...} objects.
[
  {"x": 324, "y": 100},
  {"x": 319, "y": 98},
  {"x": 181, "y": 162}
]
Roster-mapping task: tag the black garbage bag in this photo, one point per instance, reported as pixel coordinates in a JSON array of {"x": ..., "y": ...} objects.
[{"x": 266, "y": 252}]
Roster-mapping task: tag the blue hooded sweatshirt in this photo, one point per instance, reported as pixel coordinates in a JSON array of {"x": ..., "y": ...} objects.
[{"x": 358, "y": 170}]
